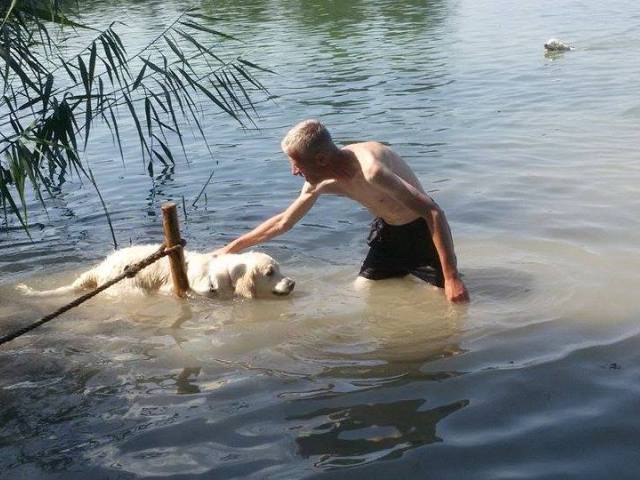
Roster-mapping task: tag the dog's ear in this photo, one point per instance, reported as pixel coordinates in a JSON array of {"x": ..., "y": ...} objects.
[{"x": 243, "y": 280}]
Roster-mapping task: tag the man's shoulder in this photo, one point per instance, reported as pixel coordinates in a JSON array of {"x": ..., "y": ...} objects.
[
  {"x": 371, "y": 152},
  {"x": 374, "y": 159},
  {"x": 366, "y": 146},
  {"x": 329, "y": 186}
]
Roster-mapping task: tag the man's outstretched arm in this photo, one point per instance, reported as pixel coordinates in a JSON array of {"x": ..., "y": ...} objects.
[
  {"x": 424, "y": 206},
  {"x": 276, "y": 225}
]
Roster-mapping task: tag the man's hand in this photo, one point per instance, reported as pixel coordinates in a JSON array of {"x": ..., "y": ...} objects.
[
  {"x": 221, "y": 251},
  {"x": 455, "y": 290}
]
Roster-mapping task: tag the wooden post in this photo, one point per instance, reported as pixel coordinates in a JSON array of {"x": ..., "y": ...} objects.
[{"x": 176, "y": 259}]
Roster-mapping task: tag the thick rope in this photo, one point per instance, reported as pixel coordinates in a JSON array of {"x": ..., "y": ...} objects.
[{"x": 130, "y": 271}]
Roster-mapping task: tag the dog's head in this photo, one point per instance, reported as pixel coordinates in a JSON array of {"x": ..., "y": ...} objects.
[{"x": 256, "y": 274}]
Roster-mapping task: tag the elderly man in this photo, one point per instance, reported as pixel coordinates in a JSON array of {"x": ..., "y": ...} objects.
[{"x": 410, "y": 233}]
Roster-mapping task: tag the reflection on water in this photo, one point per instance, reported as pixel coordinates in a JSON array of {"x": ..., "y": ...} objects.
[
  {"x": 184, "y": 381},
  {"x": 361, "y": 434}
]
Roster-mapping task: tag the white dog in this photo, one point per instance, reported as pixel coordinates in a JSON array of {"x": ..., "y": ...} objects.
[{"x": 249, "y": 275}]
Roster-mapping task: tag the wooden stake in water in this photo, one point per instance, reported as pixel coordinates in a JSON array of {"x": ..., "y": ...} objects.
[{"x": 171, "y": 238}]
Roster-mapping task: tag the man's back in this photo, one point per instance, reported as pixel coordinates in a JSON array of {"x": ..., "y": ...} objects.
[{"x": 371, "y": 157}]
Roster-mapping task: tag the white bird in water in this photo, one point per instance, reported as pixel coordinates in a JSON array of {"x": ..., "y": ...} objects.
[{"x": 555, "y": 45}]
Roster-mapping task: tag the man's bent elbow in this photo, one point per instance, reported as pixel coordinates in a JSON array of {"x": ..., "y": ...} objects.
[
  {"x": 436, "y": 212},
  {"x": 434, "y": 216}
]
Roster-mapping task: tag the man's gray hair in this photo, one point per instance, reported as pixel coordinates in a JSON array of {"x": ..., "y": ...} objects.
[{"x": 308, "y": 138}]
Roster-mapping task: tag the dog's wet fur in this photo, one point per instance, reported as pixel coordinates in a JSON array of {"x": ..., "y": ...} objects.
[{"x": 249, "y": 275}]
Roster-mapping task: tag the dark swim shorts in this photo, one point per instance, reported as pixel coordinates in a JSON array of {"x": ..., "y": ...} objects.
[{"x": 399, "y": 250}]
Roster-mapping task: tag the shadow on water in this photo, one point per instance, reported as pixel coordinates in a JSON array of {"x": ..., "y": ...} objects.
[
  {"x": 363, "y": 433},
  {"x": 373, "y": 358},
  {"x": 158, "y": 183},
  {"x": 405, "y": 326},
  {"x": 499, "y": 284}
]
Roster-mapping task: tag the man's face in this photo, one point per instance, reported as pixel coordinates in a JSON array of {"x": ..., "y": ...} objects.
[{"x": 311, "y": 172}]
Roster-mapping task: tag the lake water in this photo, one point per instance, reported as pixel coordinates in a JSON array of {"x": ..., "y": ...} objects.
[{"x": 534, "y": 159}]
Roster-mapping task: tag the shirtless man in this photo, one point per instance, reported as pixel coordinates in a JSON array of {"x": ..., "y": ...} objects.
[{"x": 410, "y": 232}]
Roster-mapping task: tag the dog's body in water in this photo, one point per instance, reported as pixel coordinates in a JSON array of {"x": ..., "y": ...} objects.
[{"x": 249, "y": 275}]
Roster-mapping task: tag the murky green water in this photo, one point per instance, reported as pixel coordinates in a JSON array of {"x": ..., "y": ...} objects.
[{"x": 534, "y": 160}]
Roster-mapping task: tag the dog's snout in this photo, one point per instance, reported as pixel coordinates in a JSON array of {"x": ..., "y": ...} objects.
[
  {"x": 290, "y": 284},
  {"x": 284, "y": 286}
]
